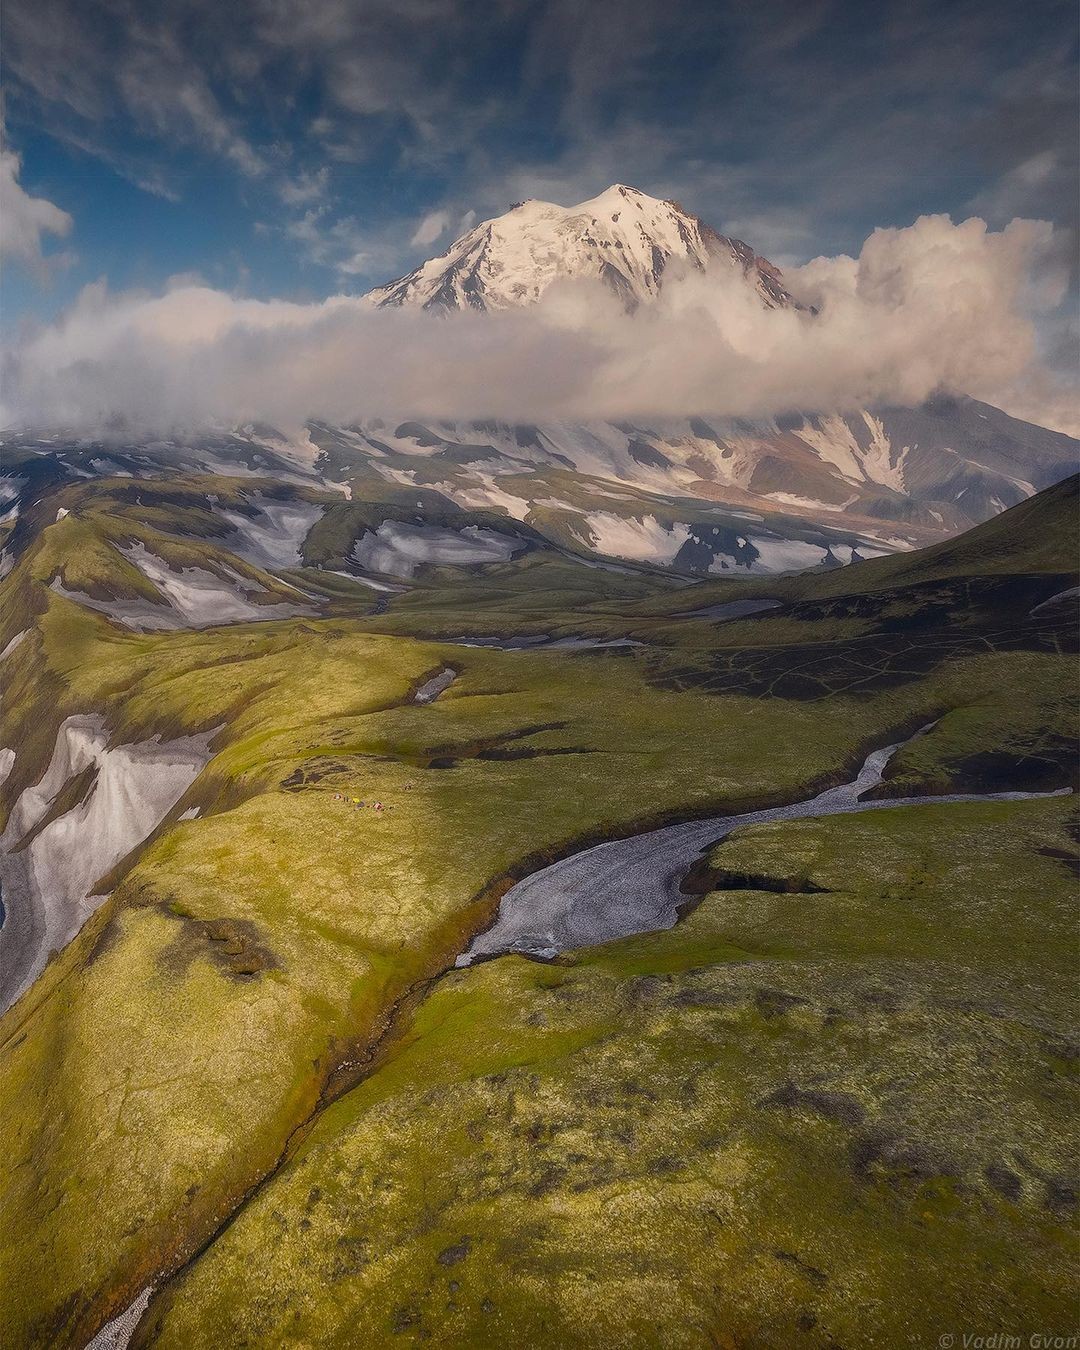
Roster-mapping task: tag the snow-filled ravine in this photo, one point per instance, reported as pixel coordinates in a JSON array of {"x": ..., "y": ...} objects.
[
  {"x": 632, "y": 885},
  {"x": 16, "y": 641},
  {"x": 51, "y": 859},
  {"x": 397, "y": 549},
  {"x": 712, "y": 549},
  {"x": 273, "y": 535},
  {"x": 430, "y": 690}
]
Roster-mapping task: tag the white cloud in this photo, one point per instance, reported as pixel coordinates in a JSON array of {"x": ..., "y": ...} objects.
[
  {"x": 934, "y": 307},
  {"x": 430, "y": 228},
  {"x": 344, "y": 245},
  {"x": 305, "y": 187},
  {"x": 25, "y": 219},
  {"x": 174, "y": 98}
]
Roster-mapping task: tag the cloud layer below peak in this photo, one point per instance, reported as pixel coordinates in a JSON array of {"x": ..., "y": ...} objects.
[{"x": 933, "y": 307}]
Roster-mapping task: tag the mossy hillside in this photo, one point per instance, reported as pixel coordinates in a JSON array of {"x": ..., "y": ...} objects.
[
  {"x": 93, "y": 662},
  {"x": 346, "y": 594},
  {"x": 84, "y": 550},
  {"x": 334, "y": 912},
  {"x": 174, "y": 520},
  {"x": 179, "y": 505},
  {"x": 343, "y": 909},
  {"x": 1018, "y": 736},
  {"x": 295, "y": 697},
  {"x": 1036, "y": 536},
  {"x": 980, "y": 891},
  {"x": 538, "y": 594},
  {"x": 61, "y": 634},
  {"x": 246, "y": 682},
  {"x": 77, "y": 662},
  {"x": 993, "y": 738},
  {"x": 142, "y": 1117},
  {"x": 1004, "y": 567},
  {"x": 858, "y": 611},
  {"x": 85, "y": 558},
  {"x": 840, "y": 1116}
]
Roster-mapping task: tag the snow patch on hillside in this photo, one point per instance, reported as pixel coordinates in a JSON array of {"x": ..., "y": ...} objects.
[
  {"x": 804, "y": 503},
  {"x": 785, "y": 555},
  {"x": 487, "y": 496},
  {"x": 196, "y": 598},
  {"x": 142, "y": 616},
  {"x": 10, "y": 487},
  {"x": 834, "y": 441},
  {"x": 644, "y": 540},
  {"x": 13, "y": 643},
  {"x": 879, "y": 463},
  {"x": 398, "y": 550},
  {"x": 201, "y": 598},
  {"x": 274, "y": 536}
]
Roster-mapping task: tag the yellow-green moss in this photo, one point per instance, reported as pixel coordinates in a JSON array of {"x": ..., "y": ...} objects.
[
  {"x": 840, "y": 1117},
  {"x": 164, "y": 1062}
]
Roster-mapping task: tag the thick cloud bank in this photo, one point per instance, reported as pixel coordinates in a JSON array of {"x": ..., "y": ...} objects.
[{"x": 936, "y": 306}]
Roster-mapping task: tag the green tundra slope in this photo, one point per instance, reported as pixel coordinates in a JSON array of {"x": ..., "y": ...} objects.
[
  {"x": 828, "y": 1116},
  {"x": 827, "y": 1104}
]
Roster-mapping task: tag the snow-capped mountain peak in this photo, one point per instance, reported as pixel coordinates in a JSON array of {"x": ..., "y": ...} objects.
[{"x": 623, "y": 237}]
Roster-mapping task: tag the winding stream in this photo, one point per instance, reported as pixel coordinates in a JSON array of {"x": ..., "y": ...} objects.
[
  {"x": 631, "y": 885},
  {"x": 546, "y": 641},
  {"x": 117, "y": 1334},
  {"x": 615, "y": 890}
]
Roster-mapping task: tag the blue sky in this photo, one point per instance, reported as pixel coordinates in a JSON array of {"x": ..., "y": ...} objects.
[{"x": 299, "y": 150}]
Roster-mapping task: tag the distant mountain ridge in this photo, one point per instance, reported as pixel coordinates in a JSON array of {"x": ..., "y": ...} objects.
[
  {"x": 699, "y": 495},
  {"x": 899, "y": 477}
]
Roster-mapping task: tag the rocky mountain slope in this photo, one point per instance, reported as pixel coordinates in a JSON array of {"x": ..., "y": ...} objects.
[
  {"x": 697, "y": 496},
  {"x": 929, "y": 470}
]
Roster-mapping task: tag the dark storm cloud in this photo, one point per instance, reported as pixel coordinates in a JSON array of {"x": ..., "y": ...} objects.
[{"x": 809, "y": 120}]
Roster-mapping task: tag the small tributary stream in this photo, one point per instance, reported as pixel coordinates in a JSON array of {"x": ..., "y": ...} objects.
[{"x": 632, "y": 885}]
